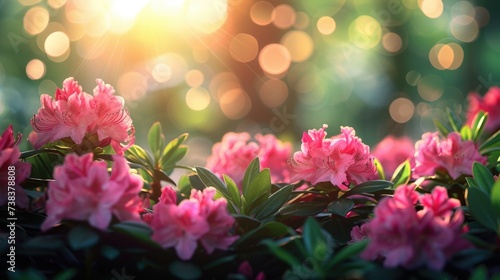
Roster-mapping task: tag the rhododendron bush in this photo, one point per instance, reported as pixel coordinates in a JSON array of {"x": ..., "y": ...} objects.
[{"x": 86, "y": 202}]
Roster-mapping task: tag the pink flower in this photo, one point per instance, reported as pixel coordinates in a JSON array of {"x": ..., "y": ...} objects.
[
  {"x": 219, "y": 220},
  {"x": 168, "y": 195},
  {"x": 179, "y": 226},
  {"x": 83, "y": 190},
  {"x": 81, "y": 120},
  {"x": 490, "y": 104},
  {"x": 199, "y": 218},
  {"x": 392, "y": 151},
  {"x": 410, "y": 238},
  {"x": 234, "y": 153},
  {"x": 451, "y": 154},
  {"x": 246, "y": 270},
  {"x": 12, "y": 171},
  {"x": 341, "y": 160}
]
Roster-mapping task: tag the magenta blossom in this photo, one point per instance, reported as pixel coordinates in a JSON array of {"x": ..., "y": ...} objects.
[
  {"x": 83, "y": 190},
  {"x": 490, "y": 104},
  {"x": 81, "y": 120},
  {"x": 12, "y": 171},
  {"x": 199, "y": 218},
  {"x": 452, "y": 155},
  {"x": 409, "y": 238},
  {"x": 234, "y": 153},
  {"x": 393, "y": 151},
  {"x": 341, "y": 160}
]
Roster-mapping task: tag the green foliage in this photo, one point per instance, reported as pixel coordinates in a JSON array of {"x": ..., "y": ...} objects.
[
  {"x": 455, "y": 123},
  {"x": 484, "y": 197},
  {"x": 81, "y": 237},
  {"x": 402, "y": 174},
  {"x": 315, "y": 255},
  {"x": 256, "y": 198},
  {"x": 370, "y": 187}
]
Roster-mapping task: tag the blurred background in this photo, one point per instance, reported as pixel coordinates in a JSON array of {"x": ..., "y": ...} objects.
[{"x": 208, "y": 67}]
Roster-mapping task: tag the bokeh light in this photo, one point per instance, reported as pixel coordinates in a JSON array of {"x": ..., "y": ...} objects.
[
  {"x": 392, "y": 42},
  {"x": 446, "y": 56},
  {"x": 56, "y": 44},
  {"x": 299, "y": 44},
  {"x": 244, "y": 47},
  {"x": 365, "y": 32},
  {"x": 194, "y": 78},
  {"x": 273, "y": 93},
  {"x": 430, "y": 87},
  {"x": 283, "y": 16},
  {"x": 275, "y": 59},
  {"x": 326, "y": 25},
  {"x": 35, "y": 69},
  {"x": 197, "y": 99},
  {"x": 431, "y": 8},
  {"x": 401, "y": 110},
  {"x": 261, "y": 13},
  {"x": 235, "y": 103},
  {"x": 36, "y": 20},
  {"x": 213, "y": 66},
  {"x": 132, "y": 86}
]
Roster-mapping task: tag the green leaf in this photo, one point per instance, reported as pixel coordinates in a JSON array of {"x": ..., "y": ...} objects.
[
  {"x": 211, "y": 180},
  {"x": 42, "y": 245},
  {"x": 495, "y": 199},
  {"x": 259, "y": 190},
  {"x": 168, "y": 163},
  {"x": 252, "y": 171},
  {"x": 170, "y": 154},
  {"x": 380, "y": 169},
  {"x": 482, "y": 177},
  {"x": 441, "y": 128},
  {"x": 491, "y": 144},
  {"x": 185, "y": 270},
  {"x": 66, "y": 274},
  {"x": 136, "y": 154},
  {"x": 402, "y": 174},
  {"x": 281, "y": 253},
  {"x": 273, "y": 203},
  {"x": 340, "y": 206},
  {"x": 479, "y": 273},
  {"x": 313, "y": 238},
  {"x": 481, "y": 209},
  {"x": 369, "y": 187},
  {"x": 109, "y": 252},
  {"x": 233, "y": 190},
  {"x": 479, "y": 124},
  {"x": 245, "y": 223},
  {"x": 162, "y": 176},
  {"x": 471, "y": 182},
  {"x": 137, "y": 230},
  {"x": 466, "y": 133},
  {"x": 267, "y": 230},
  {"x": 455, "y": 121},
  {"x": 309, "y": 208},
  {"x": 82, "y": 237},
  {"x": 348, "y": 252},
  {"x": 155, "y": 140}
]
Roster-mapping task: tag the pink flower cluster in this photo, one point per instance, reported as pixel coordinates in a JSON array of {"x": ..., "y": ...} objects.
[
  {"x": 234, "y": 153},
  {"x": 393, "y": 151},
  {"x": 410, "y": 238},
  {"x": 83, "y": 190},
  {"x": 12, "y": 171},
  {"x": 452, "y": 155},
  {"x": 85, "y": 121},
  {"x": 341, "y": 160},
  {"x": 199, "y": 218},
  {"x": 490, "y": 104}
]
